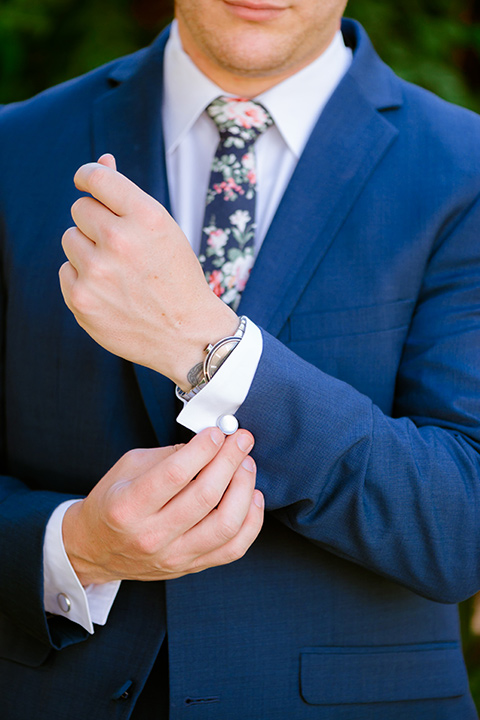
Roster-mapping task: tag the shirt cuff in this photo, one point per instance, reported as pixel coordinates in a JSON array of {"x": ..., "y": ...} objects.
[
  {"x": 63, "y": 593},
  {"x": 229, "y": 387}
]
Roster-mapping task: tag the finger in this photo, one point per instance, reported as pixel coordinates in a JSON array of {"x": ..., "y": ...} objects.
[
  {"x": 108, "y": 160},
  {"x": 112, "y": 492},
  {"x": 238, "y": 546},
  {"x": 153, "y": 489},
  {"x": 78, "y": 248},
  {"x": 115, "y": 191},
  {"x": 96, "y": 221},
  {"x": 138, "y": 461},
  {"x": 67, "y": 276},
  {"x": 224, "y": 522},
  {"x": 198, "y": 500}
]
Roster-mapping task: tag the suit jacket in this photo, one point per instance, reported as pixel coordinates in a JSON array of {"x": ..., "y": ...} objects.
[{"x": 365, "y": 410}]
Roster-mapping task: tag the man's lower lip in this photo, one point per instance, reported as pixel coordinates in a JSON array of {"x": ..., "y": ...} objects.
[{"x": 255, "y": 14}]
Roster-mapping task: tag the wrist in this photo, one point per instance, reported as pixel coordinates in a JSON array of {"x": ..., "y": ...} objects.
[
  {"x": 87, "y": 572},
  {"x": 215, "y": 354},
  {"x": 211, "y": 329}
]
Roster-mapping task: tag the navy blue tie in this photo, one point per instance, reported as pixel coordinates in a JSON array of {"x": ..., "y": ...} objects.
[{"x": 228, "y": 233}]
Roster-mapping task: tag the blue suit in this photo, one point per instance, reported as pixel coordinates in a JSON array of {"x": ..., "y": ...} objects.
[{"x": 365, "y": 408}]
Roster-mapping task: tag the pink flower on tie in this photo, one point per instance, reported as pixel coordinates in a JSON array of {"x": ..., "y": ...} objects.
[
  {"x": 246, "y": 114},
  {"x": 215, "y": 281},
  {"x": 248, "y": 166},
  {"x": 237, "y": 272},
  {"x": 239, "y": 113}
]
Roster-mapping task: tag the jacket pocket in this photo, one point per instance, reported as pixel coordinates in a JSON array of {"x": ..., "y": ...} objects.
[{"x": 343, "y": 675}]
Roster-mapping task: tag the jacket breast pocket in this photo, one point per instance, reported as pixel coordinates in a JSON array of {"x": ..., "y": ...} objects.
[{"x": 347, "y": 675}]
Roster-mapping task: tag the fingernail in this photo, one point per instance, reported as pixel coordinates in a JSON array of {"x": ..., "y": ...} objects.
[
  {"x": 217, "y": 436},
  {"x": 244, "y": 442},
  {"x": 249, "y": 464},
  {"x": 258, "y": 499}
]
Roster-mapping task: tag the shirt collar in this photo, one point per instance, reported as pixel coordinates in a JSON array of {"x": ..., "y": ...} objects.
[{"x": 188, "y": 92}]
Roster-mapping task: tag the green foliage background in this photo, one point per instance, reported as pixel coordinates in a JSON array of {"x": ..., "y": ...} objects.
[{"x": 435, "y": 43}]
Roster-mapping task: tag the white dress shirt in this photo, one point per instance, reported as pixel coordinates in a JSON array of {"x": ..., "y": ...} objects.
[{"x": 191, "y": 139}]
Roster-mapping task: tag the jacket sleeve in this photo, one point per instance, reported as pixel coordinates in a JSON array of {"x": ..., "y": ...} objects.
[{"x": 398, "y": 495}]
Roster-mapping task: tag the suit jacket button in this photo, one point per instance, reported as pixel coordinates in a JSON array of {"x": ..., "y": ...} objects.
[{"x": 124, "y": 692}]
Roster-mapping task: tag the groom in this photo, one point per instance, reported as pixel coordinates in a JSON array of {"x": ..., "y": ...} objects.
[{"x": 143, "y": 586}]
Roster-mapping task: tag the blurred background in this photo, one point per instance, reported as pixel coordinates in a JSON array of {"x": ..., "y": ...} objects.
[{"x": 435, "y": 43}]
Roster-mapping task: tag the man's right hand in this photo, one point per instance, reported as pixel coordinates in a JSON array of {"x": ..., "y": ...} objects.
[{"x": 162, "y": 513}]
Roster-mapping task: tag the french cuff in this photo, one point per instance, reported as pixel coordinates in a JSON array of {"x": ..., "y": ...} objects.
[
  {"x": 63, "y": 592},
  {"x": 229, "y": 387}
]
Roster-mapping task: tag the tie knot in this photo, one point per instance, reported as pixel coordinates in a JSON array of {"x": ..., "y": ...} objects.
[{"x": 239, "y": 121}]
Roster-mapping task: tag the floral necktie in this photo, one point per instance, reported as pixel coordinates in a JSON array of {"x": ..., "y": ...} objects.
[{"x": 228, "y": 233}]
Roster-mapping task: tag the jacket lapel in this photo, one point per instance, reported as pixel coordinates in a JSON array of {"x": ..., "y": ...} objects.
[
  {"x": 127, "y": 122},
  {"x": 348, "y": 141},
  {"x": 127, "y": 119}
]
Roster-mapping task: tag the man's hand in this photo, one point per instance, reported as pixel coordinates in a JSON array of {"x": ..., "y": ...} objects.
[
  {"x": 132, "y": 280},
  {"x": 162, "y": 513}
]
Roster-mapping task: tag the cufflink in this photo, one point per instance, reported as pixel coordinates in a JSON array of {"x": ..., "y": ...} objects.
[
  {"x": 228, "y": 424},
  {"x": 64, "y": 602}
]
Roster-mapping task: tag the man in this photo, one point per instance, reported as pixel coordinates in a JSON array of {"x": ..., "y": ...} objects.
[{"x": 360, "y": 390}]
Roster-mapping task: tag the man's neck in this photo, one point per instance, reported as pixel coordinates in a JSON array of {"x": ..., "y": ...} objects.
[{"x": 245, "y": 86}]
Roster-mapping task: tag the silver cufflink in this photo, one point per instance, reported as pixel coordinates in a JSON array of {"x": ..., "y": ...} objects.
[
  {"x": 228, "y": 424},
  {"x": 64, "y": 602}
]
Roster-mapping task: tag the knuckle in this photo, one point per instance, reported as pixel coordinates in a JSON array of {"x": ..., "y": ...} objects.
[
  {"x": 96, "y": 176},
  {"x": 80, "y": 205},
  {"x": 172, "y": 564},
  {"x": 117, "y": 514},
  {"x": 146, "y": 544},
  {"x": 64, "y": 272},
  {"x": 79, "y": 299},
  {"x": 153, "y": 212},
  {"x": 134, "y": 461},
  {"x": 114, "y": 238},
  {"x": 235, "y": 551},
  {"x": 228, "y": 528},
  {"x": 68, "y": 236},
  {"x": 208, "y": 496},
  {"x": 231, "y": 461},
  {"x": 175, "y": 475},
  {"x": 135, "y": 456},
  {"x": 150, "y": 214},
  {"x": 91, "y": 270}
]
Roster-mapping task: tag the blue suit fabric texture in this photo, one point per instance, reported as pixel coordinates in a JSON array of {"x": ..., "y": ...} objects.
[{"x": 365, "y": 409}]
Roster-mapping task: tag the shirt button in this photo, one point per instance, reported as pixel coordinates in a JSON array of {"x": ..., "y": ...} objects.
[
  {"x": 64, "y": 602},
  {"x": 228, "y": 424}
]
